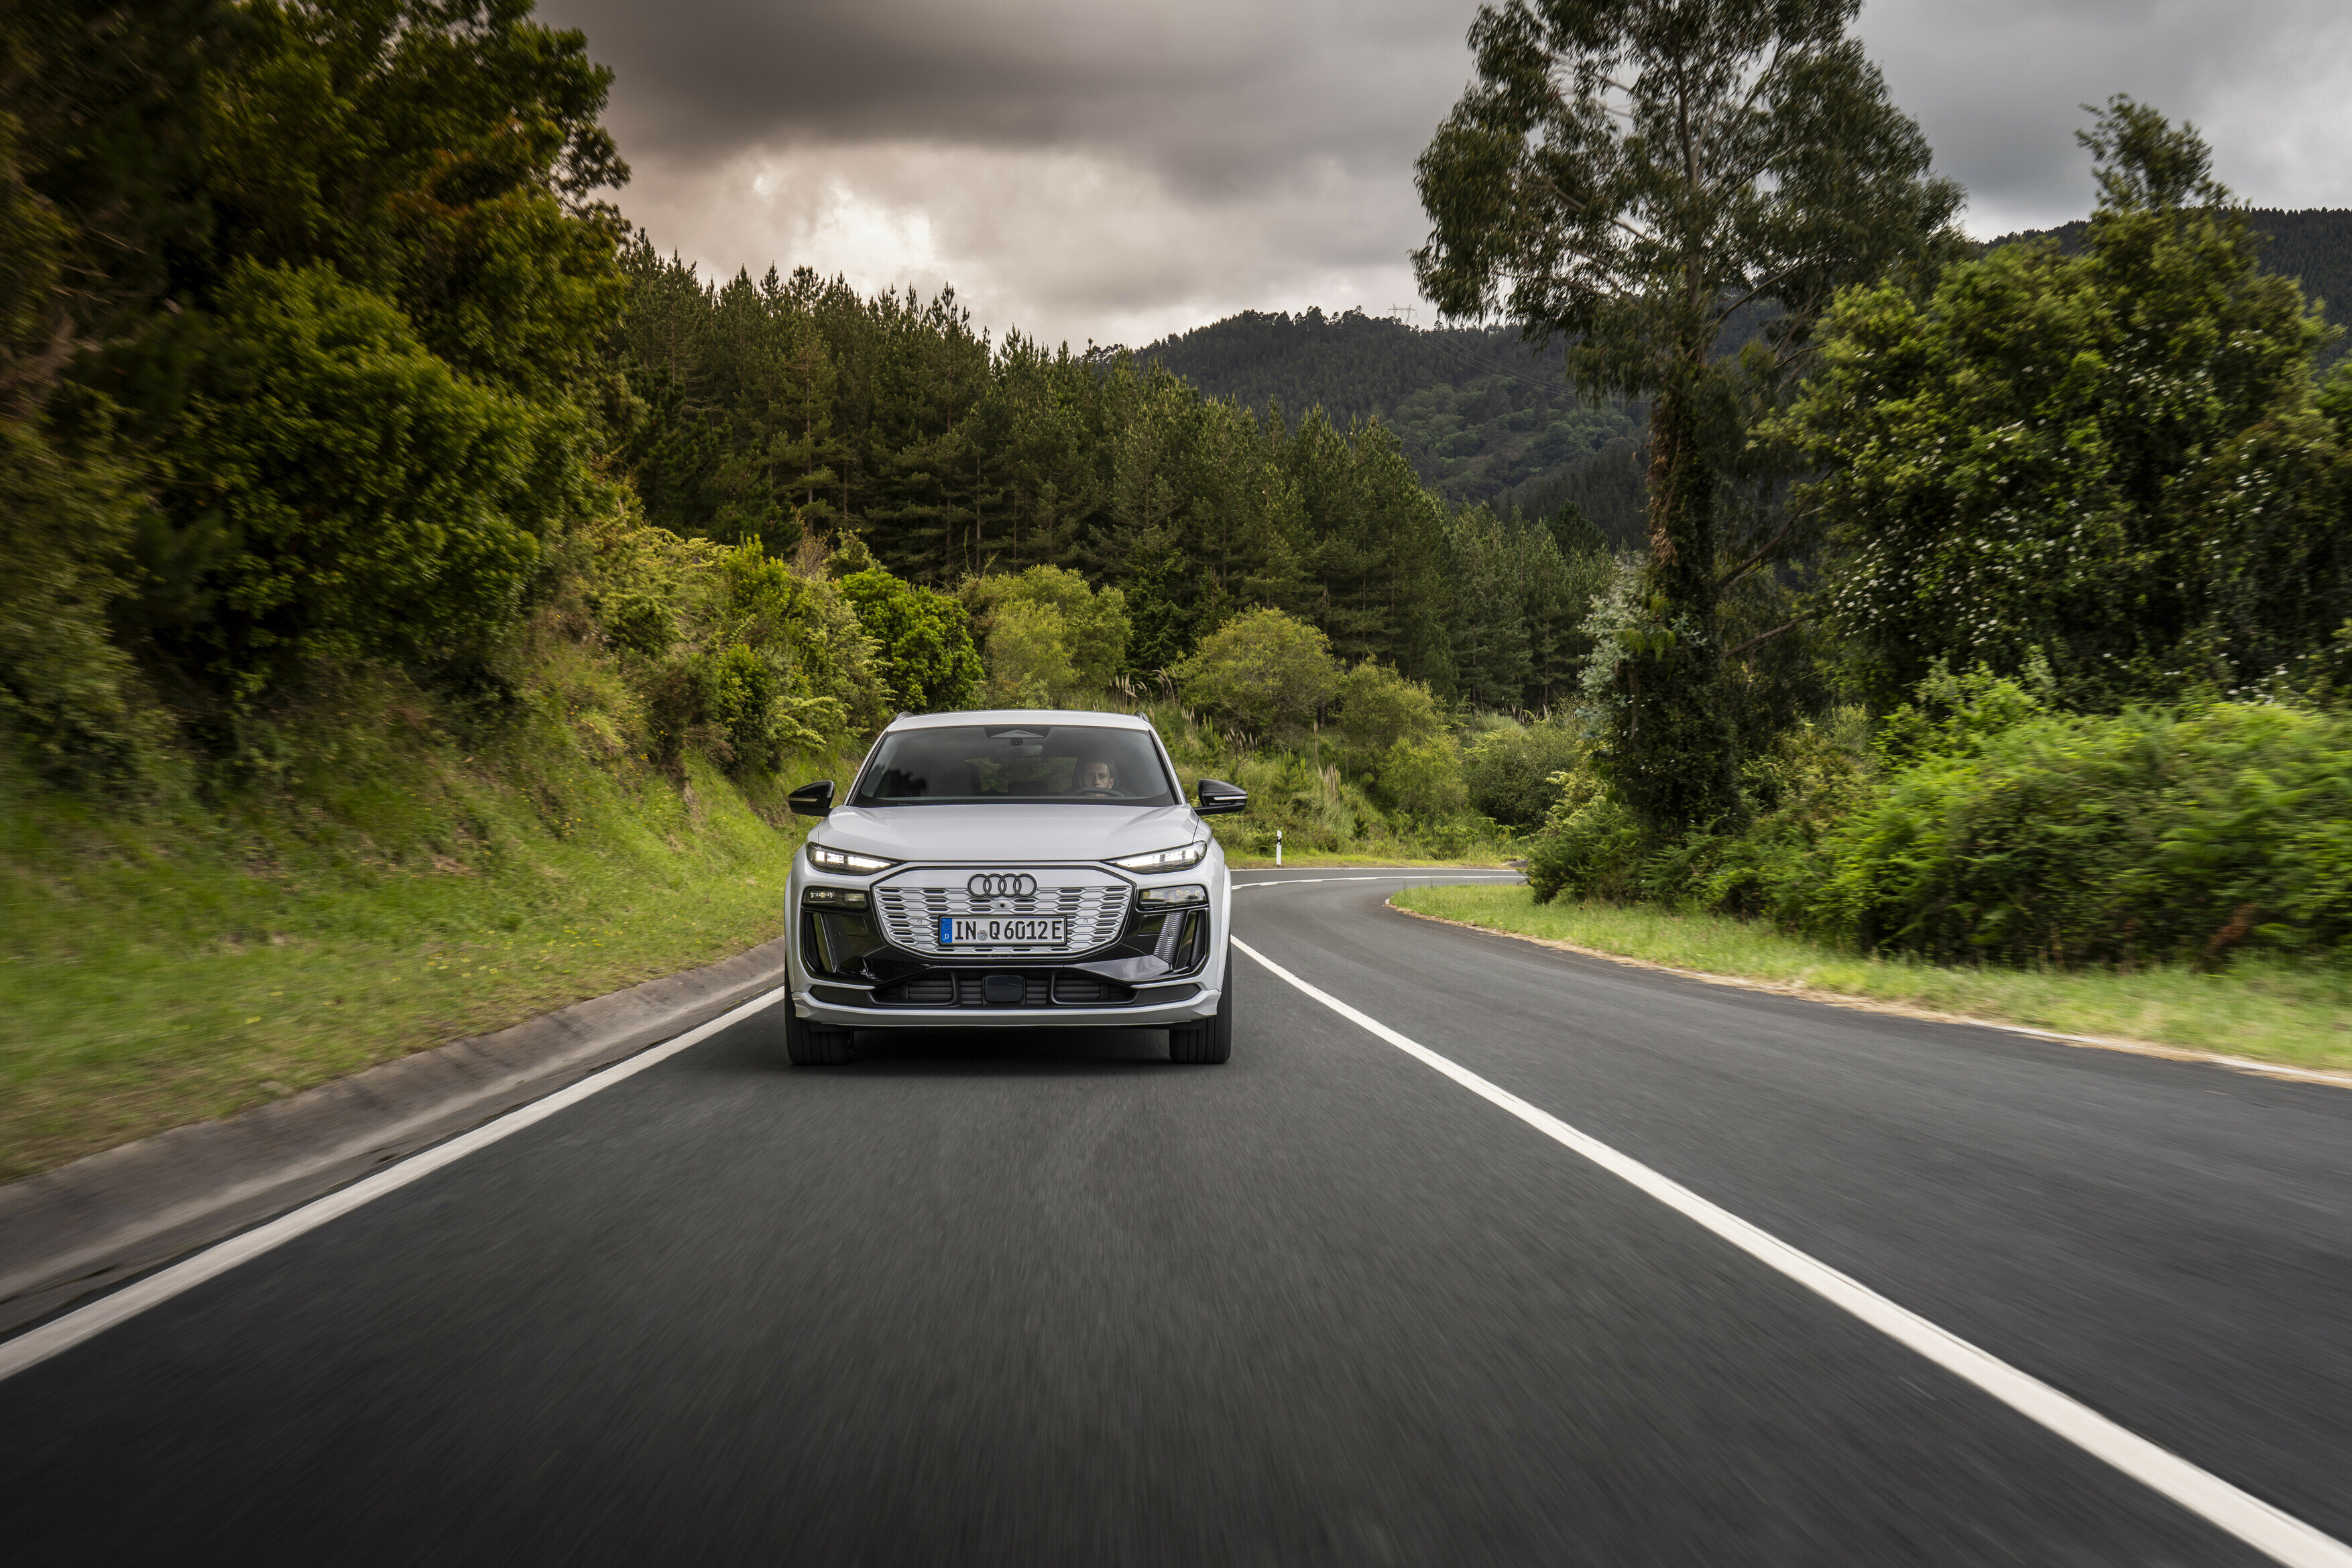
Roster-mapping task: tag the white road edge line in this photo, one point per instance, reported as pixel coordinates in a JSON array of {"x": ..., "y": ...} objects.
[
  {"x": 2251, "y": 1520},
  {"x": 59, "y": 1335}
]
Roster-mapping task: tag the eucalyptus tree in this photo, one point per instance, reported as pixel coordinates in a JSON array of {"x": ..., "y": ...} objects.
[{"x": 1630, "y": 176}]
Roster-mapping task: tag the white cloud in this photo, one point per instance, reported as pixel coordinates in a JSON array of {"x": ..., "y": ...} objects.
[
  {"x": 1117, "y": 172},
  {"x": 1063, "y": 243}
]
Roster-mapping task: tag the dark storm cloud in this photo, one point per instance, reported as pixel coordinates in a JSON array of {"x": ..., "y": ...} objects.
[
  {"x": 1201, "y": 93},
  {"x": 1113, "y": 170}
]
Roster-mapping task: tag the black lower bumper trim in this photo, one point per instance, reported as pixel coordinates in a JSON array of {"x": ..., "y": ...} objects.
[{"x": 970, "y": 988}]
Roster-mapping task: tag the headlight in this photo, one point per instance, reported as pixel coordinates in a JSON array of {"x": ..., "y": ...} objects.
[
  {"x": 1177, "y": 859},
  {"x": 1182, "y": 892},
  {"x": 825, "y": 858}
]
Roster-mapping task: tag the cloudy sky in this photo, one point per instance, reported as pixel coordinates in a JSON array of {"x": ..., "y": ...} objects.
[{"x": 1093, "y": 169}]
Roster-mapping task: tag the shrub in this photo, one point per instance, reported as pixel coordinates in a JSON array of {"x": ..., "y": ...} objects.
[
  {"x": 1263, "y": 670},
  {"x": 1028, "y": 660},
  {"x": 928, "y": 662},
  {"x": 1421, "y": 779},
  {"x": 640, "y": 622},
  {"x": 2150, "y": 834},
  {"x": 1380, "y": 710},
  {"x": 1048, "y": 639},
  {"x": 1590, "y": 847},
  {"x": 1509, "y": 772}
]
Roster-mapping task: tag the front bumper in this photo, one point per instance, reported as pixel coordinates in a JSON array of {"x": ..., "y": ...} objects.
[
  {"x": 1141, "y": 1013},
  {"x": 840, "y": 979}
]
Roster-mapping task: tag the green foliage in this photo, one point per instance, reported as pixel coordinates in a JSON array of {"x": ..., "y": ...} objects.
[
  {"x": 2149, "y": 834},
  {"x": 2114, "y": 458},
  {"x": 1627, "y": 177},
  {"x": 1028, "y": 656},
  {"x": 1422, "y": 779},
  {"x": 1401, "y": 804},
  {"x": 1591, "y": 845},
  {"x": 923, "y": 640},
  {"x": 1379, "y": 709},
  {"x": 1049, "y": 639},
  {"x": 1981, "y": 822},
  {"x": 1510, "y": 771},
  {"x": 1262, "y": 671},
  {"x": 1519, "y": 606},
  {"x": 358, "y": 500},
  {"x": 1391, "y": 733},
  {"x": 67, "y": 693},
  {"x": 439, "y": 153},
  {"x": 643, "y": 623},
  {"x": 791, "y": 405}
]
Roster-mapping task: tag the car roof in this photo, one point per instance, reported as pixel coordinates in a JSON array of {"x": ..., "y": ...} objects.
[{"x": 1042, "y": 716}]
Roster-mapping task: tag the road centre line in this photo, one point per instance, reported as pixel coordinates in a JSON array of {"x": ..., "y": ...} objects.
[
  {"x": 62, "y": 1333},
  {"x": 2257, "y": 1523}
]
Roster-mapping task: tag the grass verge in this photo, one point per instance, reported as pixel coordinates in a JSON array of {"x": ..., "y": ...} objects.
[
  {"x": 154, "y": 974},
  {"x": 2256, "y": 1009}
]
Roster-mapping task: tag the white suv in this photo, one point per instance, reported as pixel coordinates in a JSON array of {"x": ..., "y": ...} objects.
[{"x": 1027, "y": 869}]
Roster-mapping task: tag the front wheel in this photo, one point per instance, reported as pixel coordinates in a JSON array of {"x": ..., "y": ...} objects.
[
  {"x": 1210, "y": 1042},
  {"x": 810, "y": 1044}
]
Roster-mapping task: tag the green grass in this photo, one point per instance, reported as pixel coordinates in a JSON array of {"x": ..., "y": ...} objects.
[
  {"x": 155, "y": 972},
  {"x": 2255, "y": 1009}
]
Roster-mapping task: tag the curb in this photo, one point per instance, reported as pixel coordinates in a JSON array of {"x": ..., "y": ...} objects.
[{"x": 93, "y": 1224}]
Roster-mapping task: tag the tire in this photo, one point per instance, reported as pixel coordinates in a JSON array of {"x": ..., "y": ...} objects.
[
  {"x": 814, "y": 1044},
  {"x": 1210, "y": 1042}
]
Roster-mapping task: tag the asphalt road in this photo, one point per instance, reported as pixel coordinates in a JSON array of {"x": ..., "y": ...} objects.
[{"x": 987, "y": 1297}]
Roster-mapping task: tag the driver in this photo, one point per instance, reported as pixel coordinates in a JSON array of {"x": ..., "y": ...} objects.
[{"x": 1094, "y": 773}]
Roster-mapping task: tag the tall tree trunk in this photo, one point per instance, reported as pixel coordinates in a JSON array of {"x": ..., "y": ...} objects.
[{"x": 1676, "y": 757}]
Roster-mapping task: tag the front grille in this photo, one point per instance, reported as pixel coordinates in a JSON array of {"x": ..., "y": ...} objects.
[{"x": 913, "y": 903}]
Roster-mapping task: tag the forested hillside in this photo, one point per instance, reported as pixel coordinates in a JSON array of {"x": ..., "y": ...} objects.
[{"x": 1477, "y": 411}]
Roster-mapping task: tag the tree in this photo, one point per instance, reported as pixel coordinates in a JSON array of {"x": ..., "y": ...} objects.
[
  {"x": 2113, "y": 461},
  {"x": 924, "y": 637},
  {"x": 1049, "y": 639},
  {"x": 1262, "y": 670},
  {"x": 1379, "y": 708},
  {"x": 358, "y": 500},
  {"x": 1628, "y": 175}
]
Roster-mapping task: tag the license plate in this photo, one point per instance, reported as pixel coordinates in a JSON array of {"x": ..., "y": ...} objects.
[{"x": 1001, "y": 930}]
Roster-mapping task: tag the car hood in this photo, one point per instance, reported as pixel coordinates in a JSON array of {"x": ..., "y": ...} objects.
[{"x": 1057, "y": 832}]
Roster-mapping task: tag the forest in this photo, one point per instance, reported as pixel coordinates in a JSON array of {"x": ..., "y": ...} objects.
[
  {"x": 342, "y": 403},
  {"x": 1478, "y": 413}
]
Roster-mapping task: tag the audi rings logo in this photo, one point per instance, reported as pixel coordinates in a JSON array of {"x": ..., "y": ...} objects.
[{"x": 1001, "y": 884}]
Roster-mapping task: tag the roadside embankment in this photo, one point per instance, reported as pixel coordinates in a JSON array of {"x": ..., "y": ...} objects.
[
  {"x": 2257, "y": 1009},
  {"x": 163, "y": 971}
]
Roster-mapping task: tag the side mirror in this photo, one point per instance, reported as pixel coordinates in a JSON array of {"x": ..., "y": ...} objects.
[
  {"x": 1216, "y": 796},
  {"x": 812, "y": 800}
]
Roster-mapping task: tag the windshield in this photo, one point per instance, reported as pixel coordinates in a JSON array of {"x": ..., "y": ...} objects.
[{"x": 974, "y": 764}]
